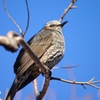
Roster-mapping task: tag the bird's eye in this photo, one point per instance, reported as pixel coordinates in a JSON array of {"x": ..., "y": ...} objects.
[{"x": 52, "y": 25}]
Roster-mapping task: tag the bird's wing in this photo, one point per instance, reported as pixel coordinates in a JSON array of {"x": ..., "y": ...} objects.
[{"x": 39, "y": 47}]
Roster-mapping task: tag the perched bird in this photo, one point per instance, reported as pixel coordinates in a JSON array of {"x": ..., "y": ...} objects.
[{"x": 48, "y": 44}]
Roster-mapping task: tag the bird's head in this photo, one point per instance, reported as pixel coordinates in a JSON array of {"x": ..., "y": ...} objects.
[{"x": 54, "y": 25}]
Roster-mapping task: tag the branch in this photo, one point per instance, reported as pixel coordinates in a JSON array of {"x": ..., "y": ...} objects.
[
  {"x": 9, "y": 16},
  {"x": 45, "y": 87},
  {"x": 28, "y": 19},
  {"x": 36, "y": 88},
  {"x": 66, "y": 67},
  {"x": 66, "y": 10},
  {"x": 41, "y": 94},
  {"x": 4, "y": 4},
  {"x": 90, "y": 82},
  {"x": 9, "y": 42}
]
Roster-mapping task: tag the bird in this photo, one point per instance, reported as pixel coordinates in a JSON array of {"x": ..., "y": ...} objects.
[{"x": 49, "y": 46}]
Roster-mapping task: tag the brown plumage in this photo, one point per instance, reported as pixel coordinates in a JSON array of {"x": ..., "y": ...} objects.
[{"x": 48, "y": 45}]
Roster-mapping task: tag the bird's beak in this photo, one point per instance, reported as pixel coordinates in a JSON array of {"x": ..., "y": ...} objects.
[{"x": 62, "y": 24}]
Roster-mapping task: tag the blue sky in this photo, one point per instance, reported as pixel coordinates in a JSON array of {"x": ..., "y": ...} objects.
[{"x": 82, "y": 38}]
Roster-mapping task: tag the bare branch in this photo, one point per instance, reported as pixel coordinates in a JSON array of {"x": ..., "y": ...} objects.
[
  {"x": 90, "y": 82},
  {"x": 9, "y": 16},
  {"x": 45, "y": 87},
  {"x": 36, "y": 88},
  {"x": 9, "y": 42},
  {"x": 66, "y": 10},
  {"x": 66, "y": 67},
  {"x": 28, "y": 19}
]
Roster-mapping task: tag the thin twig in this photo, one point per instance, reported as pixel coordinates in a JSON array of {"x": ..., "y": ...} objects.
[
  {"x": 9, "y": 16},
  {"x": 36, "y": 88},
  {"x": 28, "y": 19},
  {"x": 67, "y": 67},
  {"x": 90, "y": 82},
  {"x": 66, "y": 10}
]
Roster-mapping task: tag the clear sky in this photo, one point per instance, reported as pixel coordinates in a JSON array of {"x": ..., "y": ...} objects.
[{"x": 82, "y": 38}]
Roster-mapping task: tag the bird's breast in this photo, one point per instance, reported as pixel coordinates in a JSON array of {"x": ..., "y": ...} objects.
[{"x": 55, "y": 52}]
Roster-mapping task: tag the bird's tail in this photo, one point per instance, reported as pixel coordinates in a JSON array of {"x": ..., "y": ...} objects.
[{"x": 12, "y": 91}]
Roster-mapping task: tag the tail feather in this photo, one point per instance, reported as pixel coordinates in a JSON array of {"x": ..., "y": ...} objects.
[
  {"x": 12, "y": 91},
  {"x": 21, "y": 83}
]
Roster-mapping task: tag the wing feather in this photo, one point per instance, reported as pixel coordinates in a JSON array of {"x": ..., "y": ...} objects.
[{"x": 39, "y": 47}]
